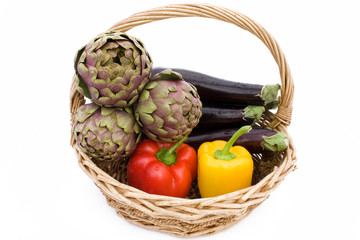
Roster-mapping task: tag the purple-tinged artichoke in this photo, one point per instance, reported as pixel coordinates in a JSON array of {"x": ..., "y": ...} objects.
[
  {"x": 168, "y": 108},
  {"x": 106, "y": 133},
  {"x": 112, "y": 69}
]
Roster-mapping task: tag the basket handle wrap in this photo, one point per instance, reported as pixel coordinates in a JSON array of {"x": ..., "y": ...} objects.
[{"x": 283, "y": 114}]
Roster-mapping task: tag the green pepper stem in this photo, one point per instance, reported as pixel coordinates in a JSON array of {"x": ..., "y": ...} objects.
[
  {"x": 225, "y": 154},
  {"x": 168, "y": 156},
  {"x": 176, "y": 145}
]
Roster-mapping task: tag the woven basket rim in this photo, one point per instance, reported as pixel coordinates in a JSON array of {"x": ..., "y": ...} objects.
[{"x": 159, "y": 205}]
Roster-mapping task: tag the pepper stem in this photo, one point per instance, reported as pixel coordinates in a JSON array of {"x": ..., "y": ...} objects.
[
  {"x": 168, "y": 156},
  {"x": 225, "y": 154}
]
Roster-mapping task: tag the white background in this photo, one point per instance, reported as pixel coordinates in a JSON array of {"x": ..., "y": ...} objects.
[{"x": 45, "y": 194}]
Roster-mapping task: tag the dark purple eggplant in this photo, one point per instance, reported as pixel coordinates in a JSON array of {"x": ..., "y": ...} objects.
[
  {"x": 257, "y": 140},
  {"x": 215, "y": 117},
  {"x": 220, "y": 91}
]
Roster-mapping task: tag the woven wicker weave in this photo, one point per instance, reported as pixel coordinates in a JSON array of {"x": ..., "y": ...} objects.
[{"x": 195, "y": 216}]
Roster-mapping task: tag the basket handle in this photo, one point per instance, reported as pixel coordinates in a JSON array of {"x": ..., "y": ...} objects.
[{"x": 283, "y": 114}]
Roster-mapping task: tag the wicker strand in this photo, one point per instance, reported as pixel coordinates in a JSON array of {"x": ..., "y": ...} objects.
[{"x": 195, "y": 216}]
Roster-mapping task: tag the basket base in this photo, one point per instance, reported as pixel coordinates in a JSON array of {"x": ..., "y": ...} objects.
[{"x": 174, "y": 226}]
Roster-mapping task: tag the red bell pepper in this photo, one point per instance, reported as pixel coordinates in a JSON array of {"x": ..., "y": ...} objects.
[{"x": 163, "y": 168}]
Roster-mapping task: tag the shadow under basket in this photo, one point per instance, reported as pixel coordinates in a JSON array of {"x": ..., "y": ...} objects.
[{"x": 195, "y": 216}]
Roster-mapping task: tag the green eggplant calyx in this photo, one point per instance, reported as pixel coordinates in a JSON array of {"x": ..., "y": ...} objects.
[
  {"x": 254, "y": 112},
  {"x": 269, "y": 93},
  {"x": 273, "y": 105},
  {"x": 276, "y": 143}
]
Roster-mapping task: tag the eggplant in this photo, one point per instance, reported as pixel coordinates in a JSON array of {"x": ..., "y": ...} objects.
[
  {"x": 215, "y": 117},
  {"x": 257, "y": 140},
  {"x": 225, "y": 92}
]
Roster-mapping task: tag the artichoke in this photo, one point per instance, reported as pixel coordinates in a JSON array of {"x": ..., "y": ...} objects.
[
  {"x": 168, "y": 108},
  {"x": 106, "y": 133},
  {"x": 112, "y": 69}
]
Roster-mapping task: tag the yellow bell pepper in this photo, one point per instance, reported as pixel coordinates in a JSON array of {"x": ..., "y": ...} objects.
[{"x": 223, "y": 168}]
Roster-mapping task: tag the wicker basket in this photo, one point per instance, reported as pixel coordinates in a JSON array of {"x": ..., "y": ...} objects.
[{"x": 195, "y": 216}]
